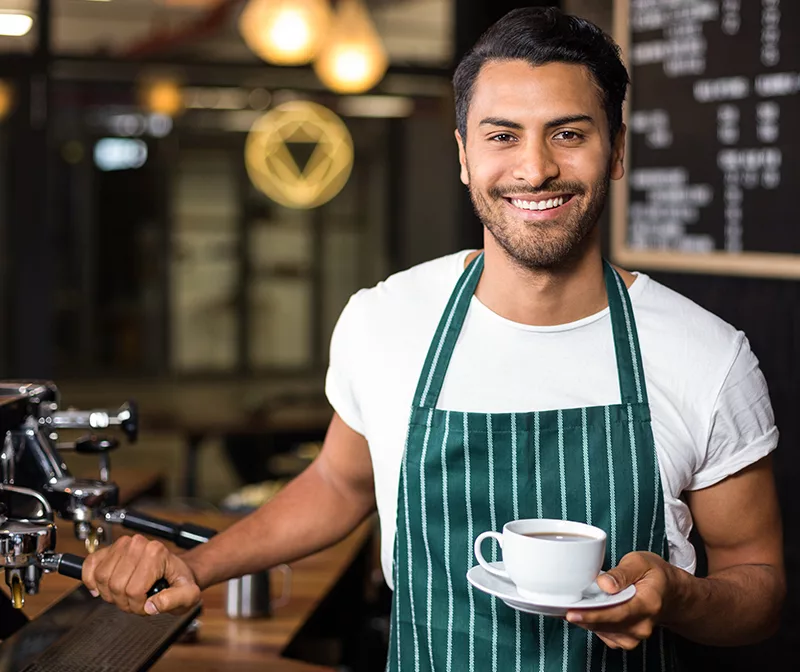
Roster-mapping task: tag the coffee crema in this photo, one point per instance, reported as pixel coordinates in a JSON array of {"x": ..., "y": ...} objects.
[{"x": 558, "y": 536}]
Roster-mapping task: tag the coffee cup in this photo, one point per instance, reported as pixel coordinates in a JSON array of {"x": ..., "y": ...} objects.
[{"x": 548, "y": 560}]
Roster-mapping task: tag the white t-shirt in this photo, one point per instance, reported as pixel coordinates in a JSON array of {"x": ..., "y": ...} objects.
[{"x": 711, "y": 412}]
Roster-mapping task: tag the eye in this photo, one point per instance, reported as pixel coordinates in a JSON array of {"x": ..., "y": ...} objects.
[
  {"x": 502, "y": 138},
  {"x": 569, "y": 136}
]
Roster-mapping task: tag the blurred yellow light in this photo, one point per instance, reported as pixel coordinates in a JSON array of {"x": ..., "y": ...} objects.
[
  {"x": 353, "y": 60},
  {"x": 285, "y": 32},
  {"x": 162, "y": 96},
  {"x": 272, "y": 167},
  {"x": 6, "y": 99},
  {"x": 15, "y": 24}
]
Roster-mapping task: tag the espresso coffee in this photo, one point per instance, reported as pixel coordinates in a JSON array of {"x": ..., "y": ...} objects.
[{"x": 558, "y": 536}]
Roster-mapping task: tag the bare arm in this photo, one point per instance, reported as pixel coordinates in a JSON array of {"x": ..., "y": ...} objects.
[
  {"x": 318, "y": 508},
  {"x": 315, "y": 510},
  {"x": 740, "y": 600}
]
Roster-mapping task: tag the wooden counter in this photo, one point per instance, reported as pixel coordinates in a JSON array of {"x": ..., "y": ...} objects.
[{"x": 223, "y": 643}]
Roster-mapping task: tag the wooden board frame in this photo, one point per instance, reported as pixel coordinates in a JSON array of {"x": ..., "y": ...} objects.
[{"x": 756, "y": 264}]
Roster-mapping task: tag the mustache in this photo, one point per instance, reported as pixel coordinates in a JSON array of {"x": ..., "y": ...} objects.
[{"x": 499, "y": 191}]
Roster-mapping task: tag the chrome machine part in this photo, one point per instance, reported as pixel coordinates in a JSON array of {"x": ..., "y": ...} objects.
[
  {"x": 126, "y": 417},
  {"x": 23, "y": 541}
]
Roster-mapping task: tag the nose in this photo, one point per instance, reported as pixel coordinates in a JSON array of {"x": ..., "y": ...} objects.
[{"x": 535, "y": 163}]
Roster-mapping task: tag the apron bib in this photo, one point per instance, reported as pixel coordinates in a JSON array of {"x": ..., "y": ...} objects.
[{"x": 463, "y": 473}]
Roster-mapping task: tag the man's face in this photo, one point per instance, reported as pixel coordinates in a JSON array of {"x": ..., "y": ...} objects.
[{"x": 538, "y": 158}]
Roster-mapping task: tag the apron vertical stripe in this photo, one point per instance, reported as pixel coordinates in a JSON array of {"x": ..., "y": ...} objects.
[
  {"x": 394, "y": 625},
  {"x": 635, "y": 466},
  {"x": 443, "y": 337},
  {"x": 589, "y": 645},
  {"x": 541, "y": 644},
  {"x": 588, "y": 492},
  {"x": 537, "y": 457},
  {"x": 515, "y": 509},
  {"x": 446, "y": 512},
  {"x": 561, "y": 471},
  {"x": 603, "y": 659},
  {"x": 493, "y": 519},
  {"x": 656, "y": 486},
  {"x": 624, "y": 661},
  {"x": 612, "y": 490},
  {"x": 586, "y": 476},
  {"x": 565, "y": 654},
  {"x": 470, "y": 539},
  {"x": 631, "y": 346},
  {"x": 644, "y": 655},
  {"x": 410, "y": 565},
  {"x": 424, "y": 514},
  {"x": 661, "y": 647}
]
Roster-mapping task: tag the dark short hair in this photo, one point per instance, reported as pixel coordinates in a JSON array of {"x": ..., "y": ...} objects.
[{"x": 541, "y": 35}]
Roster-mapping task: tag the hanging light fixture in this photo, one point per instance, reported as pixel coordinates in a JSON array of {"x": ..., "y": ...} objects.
[
  {"x": 353, "y": 59},
  {"x": 285, "y": 32},
  {"x": 162, "y": 95}
]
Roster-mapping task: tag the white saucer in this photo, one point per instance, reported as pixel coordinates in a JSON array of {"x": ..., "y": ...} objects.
[{"x": 593, "y": 596}]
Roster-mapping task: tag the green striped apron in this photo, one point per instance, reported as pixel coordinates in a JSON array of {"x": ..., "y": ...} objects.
[{"x": 463, "y": 473}]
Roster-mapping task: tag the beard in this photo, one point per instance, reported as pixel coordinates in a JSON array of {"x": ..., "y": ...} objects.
[{"x": 542, "y": 245}]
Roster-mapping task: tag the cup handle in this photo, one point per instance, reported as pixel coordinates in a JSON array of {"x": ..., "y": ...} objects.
[{"x": 492, "y": 570}]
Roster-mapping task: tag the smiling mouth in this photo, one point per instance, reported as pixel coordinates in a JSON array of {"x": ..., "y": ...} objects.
[{"x": 538, "y": 206}]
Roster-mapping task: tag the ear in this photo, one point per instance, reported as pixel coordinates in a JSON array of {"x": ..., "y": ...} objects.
[
  {"x": 618, "y": 155},
  {"x": 462, "y": 158}
]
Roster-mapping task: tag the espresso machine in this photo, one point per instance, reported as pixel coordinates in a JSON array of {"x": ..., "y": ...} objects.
[{"x": 38, "y": 494}]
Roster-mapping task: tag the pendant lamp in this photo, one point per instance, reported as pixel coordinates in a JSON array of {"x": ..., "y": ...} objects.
[
  {"x": 285, "y": 32},
  {"x": 353, "y": 59}
]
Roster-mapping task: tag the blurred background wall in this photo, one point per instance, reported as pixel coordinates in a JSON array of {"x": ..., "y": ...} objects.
[{"x": 138, "y": 258}]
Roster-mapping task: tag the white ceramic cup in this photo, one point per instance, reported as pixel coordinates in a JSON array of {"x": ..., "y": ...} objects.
[{"x": 547, "y": 569}]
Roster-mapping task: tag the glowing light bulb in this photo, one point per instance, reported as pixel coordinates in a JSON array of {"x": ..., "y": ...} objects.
[
  {"x": 6, "y": 99},
  {"x": 162, "y": 96},
  {"x": 284, "y": 32},
  {"x": 354, "y": 58}
]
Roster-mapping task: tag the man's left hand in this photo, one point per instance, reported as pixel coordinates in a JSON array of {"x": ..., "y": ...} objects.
[{"x": 625, "y": 626}]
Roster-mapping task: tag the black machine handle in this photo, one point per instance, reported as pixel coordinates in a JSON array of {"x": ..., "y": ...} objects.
[
  {"x": 72, "y": 566},
  {"x": 183, "y": 535},
  {"x": 93, "y": 444}
]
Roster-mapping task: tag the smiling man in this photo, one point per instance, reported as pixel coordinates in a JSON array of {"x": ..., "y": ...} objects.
[{"x": 530, "y": 379}]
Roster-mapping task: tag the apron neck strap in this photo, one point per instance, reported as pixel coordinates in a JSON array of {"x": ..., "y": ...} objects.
[{"x": 626, "y": 341}]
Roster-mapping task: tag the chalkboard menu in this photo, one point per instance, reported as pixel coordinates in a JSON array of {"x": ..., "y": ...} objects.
[{"x": 713, "y": 177}]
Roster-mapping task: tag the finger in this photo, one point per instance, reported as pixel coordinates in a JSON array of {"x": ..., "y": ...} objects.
[
  {"x": 616, "y": 641},
  {"x": 126, "y": 567},
  {"x": 610, "y": 615},
  {"x": 129, "y": 560},
  {"x": 150, "y": 568},
  {"x": 640, "y": 629},
  {"x": 105, "y": 570},
  {"x": 89, "y": 567},
  {"x": 174, "y": 599},
  {"x": 632, "y": 568}
]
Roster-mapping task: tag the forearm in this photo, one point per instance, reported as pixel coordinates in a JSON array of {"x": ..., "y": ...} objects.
[
  {"x": 308, "y": 515},
  {"x": 735, "y": 606}
]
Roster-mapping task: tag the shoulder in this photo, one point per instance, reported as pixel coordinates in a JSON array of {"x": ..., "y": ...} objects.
[
  {"x": 410, "y": 294},
  {"x": 680, "y": 326}
]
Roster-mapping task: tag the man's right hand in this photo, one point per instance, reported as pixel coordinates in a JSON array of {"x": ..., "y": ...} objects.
[{"x": 123, "y": 573}]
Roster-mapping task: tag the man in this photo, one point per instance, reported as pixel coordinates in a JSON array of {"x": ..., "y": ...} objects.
[{"x": 553, "y": 386}]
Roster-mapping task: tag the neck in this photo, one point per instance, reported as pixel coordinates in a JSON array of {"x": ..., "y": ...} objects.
[{"x": 544, "y": 297}]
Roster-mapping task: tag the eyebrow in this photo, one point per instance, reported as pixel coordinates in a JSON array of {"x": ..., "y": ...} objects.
[{"x": 561, "y": 121}]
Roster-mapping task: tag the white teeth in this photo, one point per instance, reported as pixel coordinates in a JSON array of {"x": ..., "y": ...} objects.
[{"x": 538, "y": 205}]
